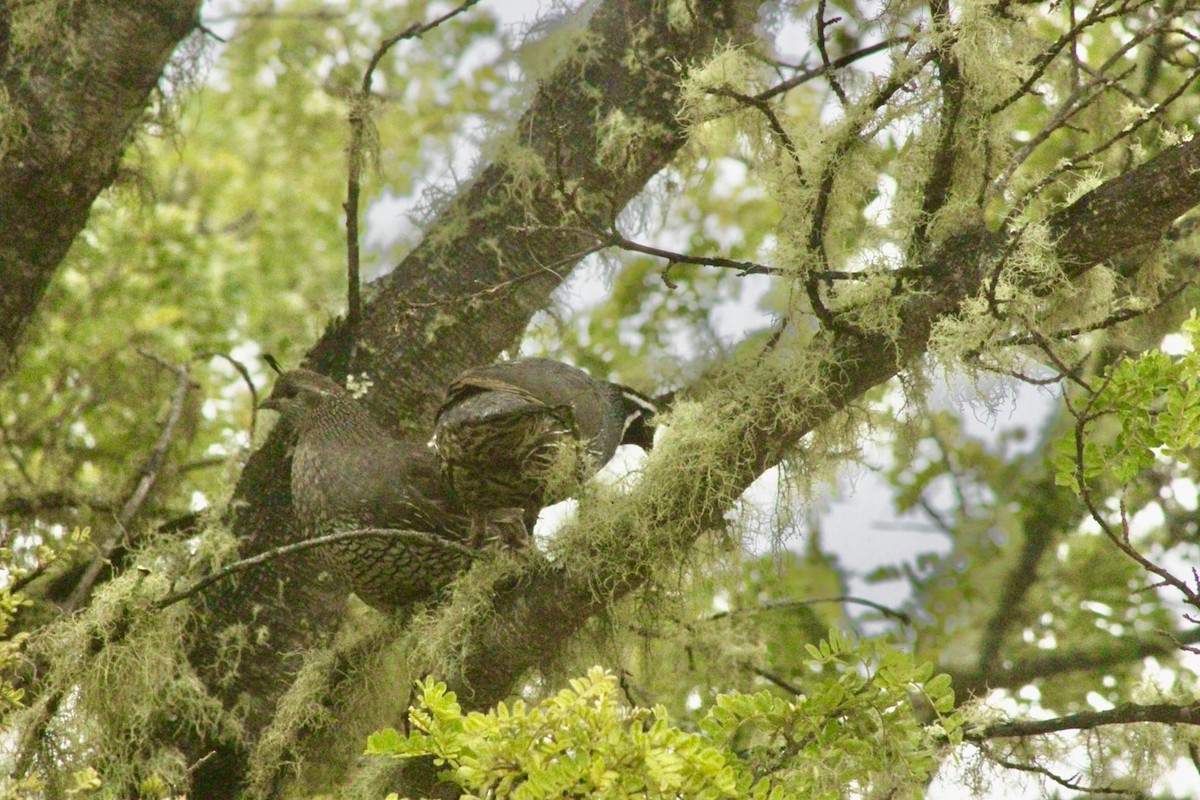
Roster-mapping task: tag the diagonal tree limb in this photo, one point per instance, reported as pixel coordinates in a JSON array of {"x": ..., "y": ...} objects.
[
  {"x": 1048, "y": 664},
  {"x": 1134, "y": 209},
  {"x": 68, "y": 112}
]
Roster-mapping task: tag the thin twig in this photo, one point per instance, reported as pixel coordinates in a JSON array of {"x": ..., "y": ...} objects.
[
  {"x": 772, "y": 120},
  {"x": 785, "y": 605},
  {"x": 1068, "y": 783},
  {"x": 1079, "y": 99},
  {"x": 1081, "y": 160},
  {"x": 149, "y": 476},
  {"x": 1121, "y": 540},
  {"x": 245, "y": 373},
  {"x": 825, "y": 69},
  {"x": 1046, "y": 57},
  {"x": 415, "y": 537},
  {"x": 825, "y": 62},
  {"x": 359, "y": 116},
  {"x": 816, "y": 233},
  {"x": 1110, "y": 321},
  {"x": 787, "y": 686},
  {"x": 744, "y": 267}
]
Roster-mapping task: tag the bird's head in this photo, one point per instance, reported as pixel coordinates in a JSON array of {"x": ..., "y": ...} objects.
[
  {"x": 639, "y": 413},
  {"x": 299, "y": 391}
]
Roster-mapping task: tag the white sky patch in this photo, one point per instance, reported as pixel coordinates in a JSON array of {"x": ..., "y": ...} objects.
[
  {"x": 198, "y": 502},
  {"x": 1175, "y": 344},
  {"x": 743, "y": 314},
  {"x": 1185, "y": 493},
  {"x": 1148, "y": 519},
  {"x": 1103, "y": 609}
]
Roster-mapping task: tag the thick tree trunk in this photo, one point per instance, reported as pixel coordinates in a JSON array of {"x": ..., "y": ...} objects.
[{"x": 70, "y": 102}]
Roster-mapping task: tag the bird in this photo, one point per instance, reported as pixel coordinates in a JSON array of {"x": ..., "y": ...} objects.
[
  {"x": 350, "y": 474},
  {"x": 501, "y": 428}
]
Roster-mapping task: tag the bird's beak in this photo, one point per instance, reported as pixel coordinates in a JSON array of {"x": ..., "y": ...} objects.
[{"x": 270, "y": 404}]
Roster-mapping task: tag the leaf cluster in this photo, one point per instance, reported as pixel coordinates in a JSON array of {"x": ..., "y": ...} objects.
[
  {"x": 1154, "y": 399},
  {"x": 864, "y": 725}
]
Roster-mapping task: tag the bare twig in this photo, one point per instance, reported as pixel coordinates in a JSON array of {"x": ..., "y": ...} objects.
[
  {"x": 415, "y": 537},
  {"x": 825, "y": 69},
  {"x": 1068, "y": 783},
  {"x": 149, "y": 475},
  {"x": 743, "y": 267},
  {"x": 784, "y": 605},
  {"x": 825, "y": 62},
  {"x": 245, "y": 373},
  {"x": 1067, "y": 371},
  {"x": 359, "y": 116},
  {"x": 779, "y": 681},
  {"x": 1121, "y": 540},
  {"x": 772, "y": 120}
]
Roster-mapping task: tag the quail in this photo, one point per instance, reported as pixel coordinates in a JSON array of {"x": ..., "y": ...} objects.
[
  {"x": 501, "y": 429},
  {"x": 349, "y": 474}
]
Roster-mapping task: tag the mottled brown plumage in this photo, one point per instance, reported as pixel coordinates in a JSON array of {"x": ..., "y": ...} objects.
[
  {"x": 502, "y": 427},
  {"x": 349, "y": 474}
]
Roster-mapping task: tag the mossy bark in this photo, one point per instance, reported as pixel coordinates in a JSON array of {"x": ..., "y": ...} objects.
[{"x": 71, "y": 98}]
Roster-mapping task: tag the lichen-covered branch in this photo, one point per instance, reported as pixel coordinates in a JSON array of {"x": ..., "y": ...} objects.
[{"x": 676, "y": 500}]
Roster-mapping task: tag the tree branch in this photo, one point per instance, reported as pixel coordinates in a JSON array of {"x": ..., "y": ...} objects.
[
  {"x": 148, "y": 476},
  {"x": 1034, "y": 666},
  {"x": 1125, "y": 714},
  {"x": 415, "y": 537},
  {"x": 360, "y": 112},
  {"x": 537, "y": 617}
]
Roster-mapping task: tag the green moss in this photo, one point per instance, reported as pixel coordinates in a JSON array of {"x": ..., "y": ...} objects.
[
  {"x": 339, "y": 695},
  {"x": 120, "y": 680}
]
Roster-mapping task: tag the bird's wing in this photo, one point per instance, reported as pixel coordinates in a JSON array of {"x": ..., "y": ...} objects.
[{"x": 482, "y": 380}]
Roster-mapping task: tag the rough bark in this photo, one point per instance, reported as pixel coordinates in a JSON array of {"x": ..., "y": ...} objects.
[{"x": 69, "y": 105}]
